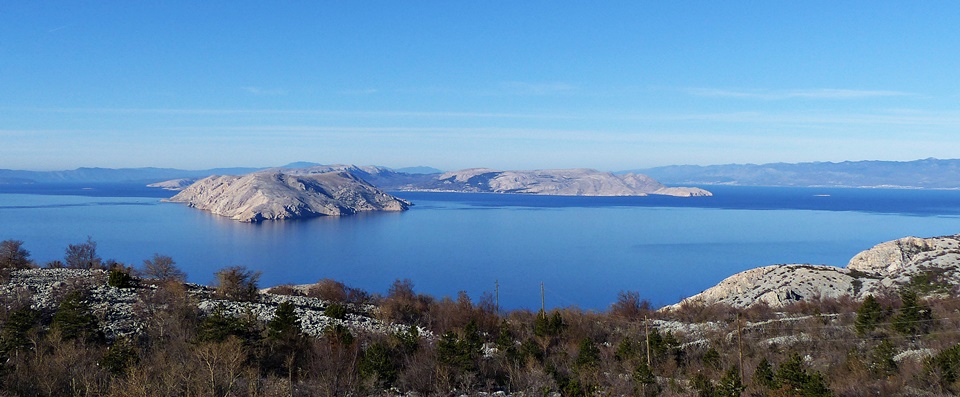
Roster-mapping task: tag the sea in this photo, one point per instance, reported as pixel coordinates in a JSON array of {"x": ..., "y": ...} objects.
[{"x": 582, "y": 251}]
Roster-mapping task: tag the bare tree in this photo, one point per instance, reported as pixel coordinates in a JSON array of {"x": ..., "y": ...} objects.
[
  {"x": 162, "y": 267},
  {"x": 629, "y": 306},
  {"x": 13, "y": 255},
  {"x": 237, "y": 283},
  {"x": 83, "y": 255}
]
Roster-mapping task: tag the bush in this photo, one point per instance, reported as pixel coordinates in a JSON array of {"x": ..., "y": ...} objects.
[
  {"x": 237, "y": 283},
  {"x": 285, "y": 289},
  {"x": 328, "y": 290},
  {"x": 120, "y": 278},
  {"x": 336, "y": 311}
]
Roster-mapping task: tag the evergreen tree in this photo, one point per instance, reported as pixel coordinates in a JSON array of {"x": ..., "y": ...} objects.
[
  {"x": 13, "y": 335},
  {"x": 763, "y": 376},
  {"x": 730, "y": 384},
  {"x": 913, "y": 318},
  {"x": 285, "y": 324},
  {"x": 868, "y": 316},
  {"x": 588, "y": 355},
  {"x": 882, "y": 363},
  {"x": 793, "y": 378},
  {"x": 74, "y": 319}
]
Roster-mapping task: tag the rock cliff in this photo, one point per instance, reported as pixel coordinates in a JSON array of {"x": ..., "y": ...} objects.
[
  {"x": 883, "y": 268},
  {"x": 275, "y": 196}
]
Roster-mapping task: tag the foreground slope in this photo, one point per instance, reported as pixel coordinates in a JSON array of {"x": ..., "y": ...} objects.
[
  {"x": 885, "y": 267},
  {"x": 275, "y": 196}
]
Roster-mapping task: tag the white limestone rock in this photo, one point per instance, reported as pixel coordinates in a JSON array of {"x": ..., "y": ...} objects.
[
  {"x": 275, "y": 196},
  {"x": 885, "y": 267}
]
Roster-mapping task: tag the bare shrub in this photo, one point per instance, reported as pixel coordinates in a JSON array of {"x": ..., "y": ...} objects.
[
  {"x": 285, "y": 289},
  {"x": 237, "y": 283},
  {"x": 221, "y": 363},
  {"x": 328, "y": 290},
  {"x": 403, "y": 305}
]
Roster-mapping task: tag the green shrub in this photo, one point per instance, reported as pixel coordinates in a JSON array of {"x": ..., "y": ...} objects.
[{"x": 335, "y": 310}]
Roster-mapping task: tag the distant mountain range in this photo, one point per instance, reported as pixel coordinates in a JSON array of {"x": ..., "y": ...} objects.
[
  {"x": 926, "y": 174},
  {"x": 149, "y": 175}
]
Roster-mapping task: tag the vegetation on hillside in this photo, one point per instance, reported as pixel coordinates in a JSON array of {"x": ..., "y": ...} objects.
[{"x": 901, "y": 343}]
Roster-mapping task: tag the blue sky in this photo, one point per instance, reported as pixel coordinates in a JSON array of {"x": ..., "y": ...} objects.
[{"x": 500, "y": 84}]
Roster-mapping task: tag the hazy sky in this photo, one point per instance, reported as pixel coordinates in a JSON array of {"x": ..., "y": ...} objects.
[{"x": 456, "y": 84}]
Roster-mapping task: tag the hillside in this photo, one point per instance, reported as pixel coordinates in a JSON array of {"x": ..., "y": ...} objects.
[
  {"x": 275, "y": 196},
  {"x": 883, "y": 269},
  {"x": 100, "y": 332}
]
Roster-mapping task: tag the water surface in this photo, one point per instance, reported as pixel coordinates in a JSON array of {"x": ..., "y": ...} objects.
[{"x": 583, "y": 249}]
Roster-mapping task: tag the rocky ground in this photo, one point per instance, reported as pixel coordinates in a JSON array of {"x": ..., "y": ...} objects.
[{"x": 117, "y": 312}]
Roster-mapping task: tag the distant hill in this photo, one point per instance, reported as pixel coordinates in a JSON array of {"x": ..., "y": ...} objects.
[
  {"x": 113, "y": 175},
  {"x": 561, "y": 182},
  {"x": 419, "y": 170},
  {"x": 391, "y": 179},
  {"x": 928, "y": 174}
]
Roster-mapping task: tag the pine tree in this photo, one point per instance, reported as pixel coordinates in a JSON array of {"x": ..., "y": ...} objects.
[
  {"x": 868, "y": 315},
  {"x": 730, "y": 384},
  {"x": 75, "y": 320},
  {"x": 913, "y": 318},
  {"x": 763, "y": 376}
]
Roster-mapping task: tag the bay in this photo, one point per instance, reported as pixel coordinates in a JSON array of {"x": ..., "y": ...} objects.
[{"x": 583, "y": 249}]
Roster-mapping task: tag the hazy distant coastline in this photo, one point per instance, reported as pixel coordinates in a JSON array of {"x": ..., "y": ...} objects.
[{"x": 917, "y": 174}]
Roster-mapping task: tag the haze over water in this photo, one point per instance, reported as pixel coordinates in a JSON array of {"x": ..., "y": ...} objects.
[{"x": 583, "y": 249}]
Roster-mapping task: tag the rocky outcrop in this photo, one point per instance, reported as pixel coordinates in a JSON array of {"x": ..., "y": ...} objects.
[
  {"x": 883, "y": 268},
  {"x": 275, "y": 196},
  {"x": 562, "y": 182}
]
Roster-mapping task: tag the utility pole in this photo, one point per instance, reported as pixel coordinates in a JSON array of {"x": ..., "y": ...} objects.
[
  {"x": 740, "y": 343},
  {"x": 496, "y": 288},
  {"x": 646, "y": 330},
  {"x": 543, "y": 301}
]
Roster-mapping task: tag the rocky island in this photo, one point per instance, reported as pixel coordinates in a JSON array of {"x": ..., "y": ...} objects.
[
  {"x": 275, "y": 196},
  {"x": 556, "y": 182},
  {"x": 561, "y": 182}
]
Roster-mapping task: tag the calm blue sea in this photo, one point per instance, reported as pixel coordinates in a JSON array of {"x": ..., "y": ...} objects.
[{"x": 584, "y": 249}]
